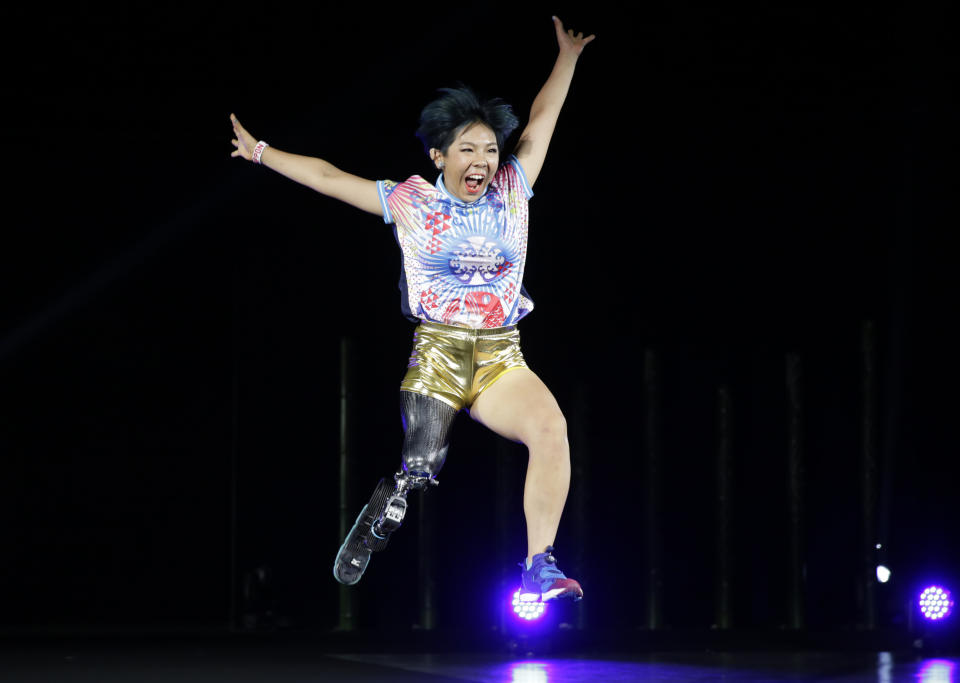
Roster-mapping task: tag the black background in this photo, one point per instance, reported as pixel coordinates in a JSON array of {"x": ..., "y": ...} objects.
[{"x": 725, "y": 186}]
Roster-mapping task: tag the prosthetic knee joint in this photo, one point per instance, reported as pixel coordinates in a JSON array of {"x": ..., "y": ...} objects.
[{"x": 396, "y": 506}]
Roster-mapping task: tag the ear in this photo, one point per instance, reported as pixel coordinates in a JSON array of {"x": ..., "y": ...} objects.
[{"x": 437, "y": 157}]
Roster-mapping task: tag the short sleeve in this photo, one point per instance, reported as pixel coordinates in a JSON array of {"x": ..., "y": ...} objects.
[
  {"x": 384, "y": 189},
  {"x": 514, "y": 177},
  {"x": 400, "y": 201}
]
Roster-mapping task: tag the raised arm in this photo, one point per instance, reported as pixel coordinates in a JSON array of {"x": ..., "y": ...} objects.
[
  {"x": 315, "y": 173},
  {"x": 535, "y": 139}
]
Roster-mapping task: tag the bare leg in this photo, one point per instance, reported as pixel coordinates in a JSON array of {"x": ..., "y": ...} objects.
[{"x": 520, "y": 407}]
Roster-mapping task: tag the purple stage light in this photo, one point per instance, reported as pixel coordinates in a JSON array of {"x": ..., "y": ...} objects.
[
  {"x": 526, "y": 608},
  {"x": 935, "y": 603},
  {"x": 936, "y": 671}
]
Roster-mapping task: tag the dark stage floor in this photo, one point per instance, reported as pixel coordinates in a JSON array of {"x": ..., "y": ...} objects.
[{"x": 243, "y": 660}]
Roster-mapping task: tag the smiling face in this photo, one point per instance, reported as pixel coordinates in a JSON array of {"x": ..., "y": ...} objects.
[{"x": 470, "y": 162}]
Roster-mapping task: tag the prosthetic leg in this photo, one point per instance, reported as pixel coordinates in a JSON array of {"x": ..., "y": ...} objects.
[{"x": 426, "y": 427}]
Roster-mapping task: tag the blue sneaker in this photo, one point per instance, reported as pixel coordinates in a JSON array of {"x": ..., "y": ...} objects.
[{"x": 544, "y": 581}]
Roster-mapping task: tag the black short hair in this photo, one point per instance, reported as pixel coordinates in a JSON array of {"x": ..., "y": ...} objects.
[{"x": 456, "y": 108}]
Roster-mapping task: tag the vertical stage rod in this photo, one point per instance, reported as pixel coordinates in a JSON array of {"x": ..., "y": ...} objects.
[
  {"x": 868, "y": 477},
  {"x": 426, "y": 532},
  {"x": 506, "y": 543},
  {"x": 580, "y": 457},
  {"x": 233, "y": 618},
  {"x": 347, "y": 621},
  {"x": 654, "y": 527},
  {"x": 795, "y": 510},
  {"x": 723, "y": 618}
]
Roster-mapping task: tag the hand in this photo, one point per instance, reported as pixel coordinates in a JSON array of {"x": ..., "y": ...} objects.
[
  {"x": 572, "y": 44},
  {"x": 244, "y": 142}
]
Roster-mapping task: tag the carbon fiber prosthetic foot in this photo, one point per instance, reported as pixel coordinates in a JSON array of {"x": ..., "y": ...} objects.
[{"x": 426, "y": 427}]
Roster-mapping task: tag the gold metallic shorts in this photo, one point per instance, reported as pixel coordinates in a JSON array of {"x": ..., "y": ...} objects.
[{"x": 454, "y": 364}]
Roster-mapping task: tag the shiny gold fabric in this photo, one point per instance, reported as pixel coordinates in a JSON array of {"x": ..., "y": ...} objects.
[{"x": 454, "y": 364}]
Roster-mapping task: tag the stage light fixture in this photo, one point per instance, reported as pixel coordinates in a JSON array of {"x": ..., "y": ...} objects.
[
  {"x": 883, "y": 573},
  {"x": 527, "y": 609},
  {"x": 936, "y": 603}
]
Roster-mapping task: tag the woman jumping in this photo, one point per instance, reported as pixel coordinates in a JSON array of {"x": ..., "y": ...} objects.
[{"x": 464, "y": 244}]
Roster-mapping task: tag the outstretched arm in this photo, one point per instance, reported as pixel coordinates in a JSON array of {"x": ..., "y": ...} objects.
[
  {"x": 535, "y": 138},
  {"x": 315, "y": 173}
]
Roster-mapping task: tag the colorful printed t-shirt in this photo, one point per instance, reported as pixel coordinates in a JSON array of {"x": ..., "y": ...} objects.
[{"x": 462, "y": 262}]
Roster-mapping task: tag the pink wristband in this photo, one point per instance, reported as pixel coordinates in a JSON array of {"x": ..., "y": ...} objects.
[{"x": 257, "y": 151}]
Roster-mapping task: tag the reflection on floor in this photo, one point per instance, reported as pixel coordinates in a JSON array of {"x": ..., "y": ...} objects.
[
  {"x": 883, "y": 667},
  {"x": 255, "y": 659}
]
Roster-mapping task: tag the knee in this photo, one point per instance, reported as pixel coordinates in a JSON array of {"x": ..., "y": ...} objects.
[{"x": 549, "y": 430}]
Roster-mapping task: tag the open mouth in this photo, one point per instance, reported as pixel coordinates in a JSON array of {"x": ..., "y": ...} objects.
[{"x": 474, "y": 182}]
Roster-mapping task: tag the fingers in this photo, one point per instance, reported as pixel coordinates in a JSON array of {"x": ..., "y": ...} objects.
[
  {"x": 576, "y": 39},
  {"x": 579, "y": 37},
  {"x": 558, "y": 25},
  {"x": 236, "y": 124},
  {"x": 239, "y": 132},
  {"x": 241, "y": 142}
]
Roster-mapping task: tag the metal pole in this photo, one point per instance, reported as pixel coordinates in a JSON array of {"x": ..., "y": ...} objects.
[
  {"x": 723, "y": 616},
  {"x": 651, "y": 395},
  {"x": 426, "y": 562},
  {"x": 899, "y": 260},
  {"x": 503, "y": 494},
  {"x": 868, "y": 477},
  {"x": 580, "y": 458},
  {"x": 233, "y": 494},
  {"x": 795, "y": 475},
  {"x": 347, "y": 621}
]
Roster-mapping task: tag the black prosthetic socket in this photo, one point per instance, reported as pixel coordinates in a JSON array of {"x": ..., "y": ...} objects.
[{"x": 426, "y": 428}]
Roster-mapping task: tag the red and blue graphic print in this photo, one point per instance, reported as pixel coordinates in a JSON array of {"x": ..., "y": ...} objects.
[{"x": 462, "y": 262}]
